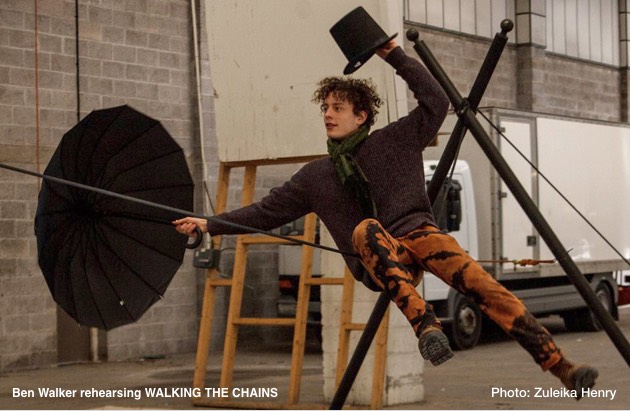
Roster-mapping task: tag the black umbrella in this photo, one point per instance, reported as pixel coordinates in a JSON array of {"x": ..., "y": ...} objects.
[{"x": 107, "y": 260}]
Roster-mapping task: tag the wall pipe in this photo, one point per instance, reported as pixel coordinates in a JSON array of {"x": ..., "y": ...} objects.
[{"x": 76, "y": 38}]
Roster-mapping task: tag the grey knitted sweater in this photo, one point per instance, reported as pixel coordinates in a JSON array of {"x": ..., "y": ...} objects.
[{"x": 391, "y": 159}]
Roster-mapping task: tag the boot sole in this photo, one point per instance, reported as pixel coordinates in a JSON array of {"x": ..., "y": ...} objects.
[
  {"x": 584, "y": 378},
  {"x": 434, "y": 347}
]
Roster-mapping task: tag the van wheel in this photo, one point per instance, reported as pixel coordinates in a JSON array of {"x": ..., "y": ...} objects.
[
  {"x": 605, "y": 297},
  {"x": 583, "y": 319},
  {"x": 465, "y": 329}
]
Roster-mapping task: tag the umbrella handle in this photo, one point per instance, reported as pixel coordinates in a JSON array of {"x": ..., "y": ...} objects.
[{"x": 197, "y": 241}]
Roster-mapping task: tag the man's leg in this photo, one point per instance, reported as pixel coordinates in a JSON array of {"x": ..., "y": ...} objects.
[
  {"x": 440, "y": 254},
  {"x": 387, "y": 261}
]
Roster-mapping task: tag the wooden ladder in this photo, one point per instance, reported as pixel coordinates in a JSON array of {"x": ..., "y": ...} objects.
[{"x": 234, "y": 319}]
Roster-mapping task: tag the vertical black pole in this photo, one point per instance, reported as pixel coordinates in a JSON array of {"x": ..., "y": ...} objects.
[
  {"x": 526, "y": 203},
  {"x": 474, "y": 98},
  {"x": 479, "y": 87}
]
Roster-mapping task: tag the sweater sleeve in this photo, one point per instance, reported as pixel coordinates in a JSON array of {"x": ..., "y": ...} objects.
[
  {"x": 281, "y": 206},
  {"x": 420, "y": 126}
]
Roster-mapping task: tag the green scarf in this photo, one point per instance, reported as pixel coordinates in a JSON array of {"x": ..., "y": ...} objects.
[{"x": 349, "y": 171}]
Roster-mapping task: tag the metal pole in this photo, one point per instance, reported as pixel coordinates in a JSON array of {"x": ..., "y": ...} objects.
[
  {"x": 526, "y": 203},
  {"x": 474, "y": 98},
  {"x": 479, "y": 87}
]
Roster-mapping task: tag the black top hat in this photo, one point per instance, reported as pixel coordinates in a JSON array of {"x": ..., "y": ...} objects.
[{"x": 358, "y": 36}]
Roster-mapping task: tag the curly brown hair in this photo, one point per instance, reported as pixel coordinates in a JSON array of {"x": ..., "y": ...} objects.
[{"x": 361, "y": 93}]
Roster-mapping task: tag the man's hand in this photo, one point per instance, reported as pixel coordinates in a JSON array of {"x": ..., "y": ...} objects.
[
  {"x": 187, "y": 225},
  {"x": 384, "y": 51}
]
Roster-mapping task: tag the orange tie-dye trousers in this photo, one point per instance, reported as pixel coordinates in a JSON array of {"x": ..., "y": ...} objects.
[{"x": 396, "y": 266}]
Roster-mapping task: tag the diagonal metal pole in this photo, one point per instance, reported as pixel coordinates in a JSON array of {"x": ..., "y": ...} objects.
[
  {"x": 524, "y": 200},
  {"x": 450, "y": 152}
]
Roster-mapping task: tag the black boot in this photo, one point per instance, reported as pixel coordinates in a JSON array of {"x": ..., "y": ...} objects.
[
  {"x": 434, "y": 346},
  {"x": 575, "y": 377}
]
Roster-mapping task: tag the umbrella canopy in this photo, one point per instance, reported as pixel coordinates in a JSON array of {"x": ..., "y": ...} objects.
[{"x": 107, "y": 260}]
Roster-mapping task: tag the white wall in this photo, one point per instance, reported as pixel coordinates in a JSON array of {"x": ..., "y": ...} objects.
[{"x": 265, "y": 60}]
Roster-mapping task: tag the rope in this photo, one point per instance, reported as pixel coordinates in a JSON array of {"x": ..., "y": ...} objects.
[{"x": 524, "y": 262}]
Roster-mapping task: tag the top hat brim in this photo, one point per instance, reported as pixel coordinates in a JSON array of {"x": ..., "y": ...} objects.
[{"x": 360, "y": 60}]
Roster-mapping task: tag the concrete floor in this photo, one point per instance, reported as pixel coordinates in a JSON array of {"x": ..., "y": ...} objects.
[{"x": 465, "y": 382}]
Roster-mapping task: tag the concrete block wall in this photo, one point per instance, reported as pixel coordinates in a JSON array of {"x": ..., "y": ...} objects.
[
  {"x": 462, "y": 56},
  {"x": 529, "y": 78},
  {"x": 583, "y": 90},
  {"x": 27, "y": 312},
  {"x": 138, "y": 53}
]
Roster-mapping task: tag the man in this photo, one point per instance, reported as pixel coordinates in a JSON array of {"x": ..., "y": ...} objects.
[{"x": 370, "y": 194}]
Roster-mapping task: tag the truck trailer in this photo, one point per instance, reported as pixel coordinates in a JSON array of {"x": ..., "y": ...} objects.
[{"x": 558, "y": 160}]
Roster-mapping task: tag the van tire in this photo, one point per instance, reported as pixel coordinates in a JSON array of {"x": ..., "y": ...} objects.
[
  {"x": 464, "y": 330},
  {"x": 605, "y": 297},
  {"x": 583, "y": 319}
]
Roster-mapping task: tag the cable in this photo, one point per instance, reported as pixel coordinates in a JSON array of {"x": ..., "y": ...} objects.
[{"x": 556, "y": 190}]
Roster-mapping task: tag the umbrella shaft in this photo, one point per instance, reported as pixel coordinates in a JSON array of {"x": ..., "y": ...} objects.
[{"x": 171, "y": 209}]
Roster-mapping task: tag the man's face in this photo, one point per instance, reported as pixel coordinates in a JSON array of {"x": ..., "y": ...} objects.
[{"x": 339, "y": 117}]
